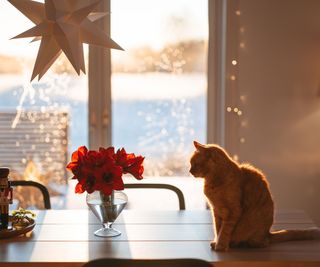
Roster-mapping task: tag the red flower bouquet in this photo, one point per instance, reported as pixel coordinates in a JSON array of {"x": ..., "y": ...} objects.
[{"x": 102, "y": 170}]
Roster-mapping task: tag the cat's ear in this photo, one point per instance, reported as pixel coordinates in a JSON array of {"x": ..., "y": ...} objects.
[{"x": 199, "y": 146}]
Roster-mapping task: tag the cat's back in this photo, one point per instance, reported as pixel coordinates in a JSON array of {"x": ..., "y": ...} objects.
[
  {"x": 252, "y": 174},
  {"x": 255, "y": 187}
]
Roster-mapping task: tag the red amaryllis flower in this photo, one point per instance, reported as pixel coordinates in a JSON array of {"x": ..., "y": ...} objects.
[
  {"x": 87, "y": 183},
  {"x": 121, "y": 158},
  {"x": 77, "y": 159},
  {"x": 130, "y": 163},
  {"x": 102, "y": 170},
  {"x": 135, "y": 168},
  {"x": 108, "y": 152},
  {"x": 111, "y": 179}
]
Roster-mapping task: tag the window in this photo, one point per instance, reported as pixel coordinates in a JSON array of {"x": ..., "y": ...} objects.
[
  {"x": 158, "y": 91},
  {"x": 159, "y": 82}
]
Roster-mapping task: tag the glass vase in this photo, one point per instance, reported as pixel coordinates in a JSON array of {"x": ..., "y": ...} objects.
[{"x": 107, "y": 208}]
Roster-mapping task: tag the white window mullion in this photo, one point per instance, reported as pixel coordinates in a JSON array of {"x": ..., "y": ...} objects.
[
  {"x": 100, "y": 87},
  {"x": 216, "y": 105},
  {"x": 223, "y": 126}
]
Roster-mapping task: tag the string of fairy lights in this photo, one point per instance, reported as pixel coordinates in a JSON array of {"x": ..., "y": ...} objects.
[{"x": 236, "y": 99}]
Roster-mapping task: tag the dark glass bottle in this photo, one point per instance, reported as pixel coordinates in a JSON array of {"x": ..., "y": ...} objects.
[{"x": 5, "y": 197}]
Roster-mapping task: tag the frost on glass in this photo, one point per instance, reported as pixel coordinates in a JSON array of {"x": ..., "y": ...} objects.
[
  {"x": 159, "y": 82},
  {"x": 165, "y": 141}
]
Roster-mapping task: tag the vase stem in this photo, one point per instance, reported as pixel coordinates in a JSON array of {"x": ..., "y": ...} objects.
[{"x": 107, "y": 225}]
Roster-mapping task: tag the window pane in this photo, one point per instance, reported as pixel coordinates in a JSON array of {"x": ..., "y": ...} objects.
[
  {"x": 40, "y": 122},
  {"x": 159, "y": 81}
]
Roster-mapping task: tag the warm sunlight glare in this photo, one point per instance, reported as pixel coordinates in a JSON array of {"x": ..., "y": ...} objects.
[{"x": 152, "y": 23}]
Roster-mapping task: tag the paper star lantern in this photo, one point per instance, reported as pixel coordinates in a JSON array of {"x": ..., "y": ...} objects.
[{"x": 62, "y": 25}]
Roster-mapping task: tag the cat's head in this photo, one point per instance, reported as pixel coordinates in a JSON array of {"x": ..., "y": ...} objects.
[{"x": 208, "y": 160}]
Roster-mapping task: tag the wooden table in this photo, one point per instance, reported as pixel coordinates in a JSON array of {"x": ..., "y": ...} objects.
[{"x": 65, "y": 238}]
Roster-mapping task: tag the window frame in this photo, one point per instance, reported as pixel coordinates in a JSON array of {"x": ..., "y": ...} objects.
[
  {"x": 216, "y": 72},
  {"x": 99, "y": 83}
]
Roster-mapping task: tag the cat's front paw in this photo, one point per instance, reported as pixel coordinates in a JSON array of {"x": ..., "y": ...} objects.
[{"x": 219, "y": 247}]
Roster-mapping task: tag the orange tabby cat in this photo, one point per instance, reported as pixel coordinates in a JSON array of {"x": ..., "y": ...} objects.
[{"x": 241, "y": 201}]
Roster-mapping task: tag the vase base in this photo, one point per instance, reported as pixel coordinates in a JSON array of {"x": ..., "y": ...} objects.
[{"x": 107, "y": 232}]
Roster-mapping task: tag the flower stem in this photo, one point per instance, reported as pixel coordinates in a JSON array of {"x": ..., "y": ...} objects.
[{"x": 107, "y": 198}]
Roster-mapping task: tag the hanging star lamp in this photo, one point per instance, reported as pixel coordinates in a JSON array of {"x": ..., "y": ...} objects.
[{"x": 62, "y": 26}]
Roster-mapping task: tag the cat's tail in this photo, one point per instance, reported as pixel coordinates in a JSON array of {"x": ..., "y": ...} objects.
[{"x": 288, "y": 235}]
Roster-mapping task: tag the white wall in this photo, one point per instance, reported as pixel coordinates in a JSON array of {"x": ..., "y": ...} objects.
[{"x": 279, "y": 81}]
